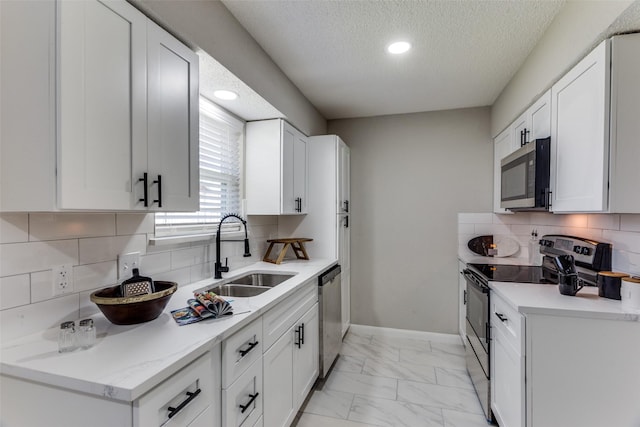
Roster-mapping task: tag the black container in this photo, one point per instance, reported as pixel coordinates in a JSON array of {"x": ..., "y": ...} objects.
[{"x": 609, "y": 283}]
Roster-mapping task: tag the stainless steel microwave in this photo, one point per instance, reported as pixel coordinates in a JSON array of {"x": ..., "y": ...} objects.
[{"x": 525, "y": 177}]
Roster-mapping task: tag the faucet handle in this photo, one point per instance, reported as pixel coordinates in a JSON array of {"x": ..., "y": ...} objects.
[{"x": 225, "y": 269}]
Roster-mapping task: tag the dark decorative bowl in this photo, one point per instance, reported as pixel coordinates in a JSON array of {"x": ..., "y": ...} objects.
[{"x": 133, "y": 310}]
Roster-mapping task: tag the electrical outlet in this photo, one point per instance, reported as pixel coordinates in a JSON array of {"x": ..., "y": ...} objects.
[
  {"x": 62, "y": 279},
  {"x": 126, "y": 264}
]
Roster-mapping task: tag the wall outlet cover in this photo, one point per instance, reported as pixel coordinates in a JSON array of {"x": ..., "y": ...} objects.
[
  {"x": 126, "y": 264},
  {"x": 62, "y": 279}
]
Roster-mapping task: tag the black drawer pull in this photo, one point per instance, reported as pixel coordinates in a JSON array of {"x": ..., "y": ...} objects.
[
  {"x": 243, "y": 408},
  {"x": 145, "y": 197},
  {"x": 252, "y": 345},
  {"x": 159, "y": 199},
  {"x": 302, "y": 334},
  {"x": 191, "y": 396},
  {"x": 501, "y": 316},
  {"x": 298, "y": 337}
]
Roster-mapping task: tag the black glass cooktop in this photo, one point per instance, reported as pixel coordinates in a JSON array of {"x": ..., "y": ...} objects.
[{"x": 512, "y": 273}]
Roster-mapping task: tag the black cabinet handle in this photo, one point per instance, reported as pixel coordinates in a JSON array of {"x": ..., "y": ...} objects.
[
  {"x": 298, "y": 337},
  {"x": 521, "y": 138},
  {"x": 191, "y": 396},
  {"x": 252, "y": 345},
  {"x": 145, "y": 197},
  {"x": 159, "y": 199},
  {"x": 501, "y": 316},
  {"x": 346, "y": 206},
  {"x": 302, "y": 334},
  {"x": 346, "y": 222},
  {"x": 464, "y": 297},
  {"x": 243, "y": 408},
  {"x": 298, "y": 207}
]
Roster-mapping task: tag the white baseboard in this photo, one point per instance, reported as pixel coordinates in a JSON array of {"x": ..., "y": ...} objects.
[{"x": 405, "y": 333}]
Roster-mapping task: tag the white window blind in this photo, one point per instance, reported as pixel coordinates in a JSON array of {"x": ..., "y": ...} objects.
[{"x": 221, "y": 141}]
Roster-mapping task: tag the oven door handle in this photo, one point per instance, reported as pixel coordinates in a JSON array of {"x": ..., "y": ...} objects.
[{"x": 477, "y": 283}]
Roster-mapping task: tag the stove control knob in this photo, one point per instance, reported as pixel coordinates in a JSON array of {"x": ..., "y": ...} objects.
[
  {"x": 585, "y": 251},
  {"x": 577, "y": 249}
]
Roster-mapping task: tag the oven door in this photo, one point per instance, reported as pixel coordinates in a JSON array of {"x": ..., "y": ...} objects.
[{"x": 478, "y": 316}]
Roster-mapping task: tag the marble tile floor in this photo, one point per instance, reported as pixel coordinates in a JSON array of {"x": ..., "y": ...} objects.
[{"x": 396, "y": 382}]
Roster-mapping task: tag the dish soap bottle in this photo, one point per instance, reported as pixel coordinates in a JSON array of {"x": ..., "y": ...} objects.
[{"x": 535, "y": 257}]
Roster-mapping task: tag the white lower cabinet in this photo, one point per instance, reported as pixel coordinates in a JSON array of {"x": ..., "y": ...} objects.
[
  {"x": 305, "y": 355},
  {"x": 462, "y": 302},
  {"x": 190, "y": 397},
  {"x": 242, "y": 400},
  {"x": 507, "y": 363},
  {"x": 182, "y": 399},
  {"x": 278, "y": 380}
]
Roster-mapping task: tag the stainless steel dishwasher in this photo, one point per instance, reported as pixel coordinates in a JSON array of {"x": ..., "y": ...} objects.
[{"x": 330, "y": 296}]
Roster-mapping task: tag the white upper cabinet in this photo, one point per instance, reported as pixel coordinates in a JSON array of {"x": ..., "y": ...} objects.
[
  {"x": 276, "y": 168},
  {"x": 539, "y": 118},
  {"x": 594, "y": 130},
  {"x": 173, "y": 120},
  {"x": 101, "y": 102},
  {"x": 120, "y": 100}
]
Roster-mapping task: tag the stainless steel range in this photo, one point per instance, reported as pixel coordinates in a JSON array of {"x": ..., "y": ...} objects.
[{"x": 590, "y": 258}]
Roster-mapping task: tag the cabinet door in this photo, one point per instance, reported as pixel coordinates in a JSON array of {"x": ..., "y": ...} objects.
[
  {"x": 507, "y": 383},
  {"x": 305, "y": 355},
  {"x": 173, "y": 115},
  {"x": 540, "y": 117},
  {"x": 278, "y": 382},
  {"x": 300, "y": 172},
  {"x": 462, "y": 302},
  {"x": 102, "y": 102},
  {"x": 344, "y": 177},
  {"x": 580, "y": 133},
  {"x": 288, "y": 164},
  {"x": 344, "y": 259},
  {"x": 242, "y": 402},
  {"x": 518, "y": 131},
  {"x": 502, "y": 147}
]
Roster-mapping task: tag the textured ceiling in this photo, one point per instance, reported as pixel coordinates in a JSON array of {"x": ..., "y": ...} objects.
[{"x": 464, "y": 52}]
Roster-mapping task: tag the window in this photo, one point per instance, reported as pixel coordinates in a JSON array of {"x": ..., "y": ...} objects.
[{"x": 221, "y": 141}]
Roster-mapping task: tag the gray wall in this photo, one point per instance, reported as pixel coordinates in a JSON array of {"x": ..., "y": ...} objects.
[
  {"x": 410, "y": 176},
  {"x": 579, "y": 27},
  {"x": 211, "y": 27}
]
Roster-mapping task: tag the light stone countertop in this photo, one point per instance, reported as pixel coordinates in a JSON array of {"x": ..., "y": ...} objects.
[
  {"x": 128, "y": 361},
  {"x": 546, "y": 299}
]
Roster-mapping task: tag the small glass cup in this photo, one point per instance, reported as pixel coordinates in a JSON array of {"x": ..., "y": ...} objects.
[
  {"x": 67, "y": 337},
  {"x": 86, "y": 334}
]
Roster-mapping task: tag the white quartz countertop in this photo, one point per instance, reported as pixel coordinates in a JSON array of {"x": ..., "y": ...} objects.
[
  {"x": 127, "y": 361},
  {"x": 547, "y": 299}
]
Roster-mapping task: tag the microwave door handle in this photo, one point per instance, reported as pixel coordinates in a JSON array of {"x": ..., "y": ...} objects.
[{"x": 547, "y": 198}]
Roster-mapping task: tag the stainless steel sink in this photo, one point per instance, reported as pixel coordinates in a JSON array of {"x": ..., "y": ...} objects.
[
  {"x": 268, "y": 280},
  {"x": 234, "y": 290}
]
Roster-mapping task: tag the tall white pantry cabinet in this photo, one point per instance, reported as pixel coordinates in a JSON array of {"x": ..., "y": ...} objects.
[
  {"x": 99, "y": 110},
  {"x": 329, "y": 211}
]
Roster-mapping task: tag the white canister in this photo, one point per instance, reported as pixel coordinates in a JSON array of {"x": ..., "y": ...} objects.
[{"x": 630, "y": 294}]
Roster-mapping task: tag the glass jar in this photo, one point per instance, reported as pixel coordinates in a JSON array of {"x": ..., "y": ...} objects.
[
  {"x": 86, "y": 333},
  {"x": 67, "y": 337}
]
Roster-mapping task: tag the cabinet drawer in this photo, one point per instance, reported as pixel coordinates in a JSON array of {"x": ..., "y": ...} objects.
[
  {"x": 180, "y": 399},
  {"x": 242, "y": 400},
  {"x": 280, "y": 318},
  {"x": 506, "y": 319},
  {"x": 240, "y": 350}
]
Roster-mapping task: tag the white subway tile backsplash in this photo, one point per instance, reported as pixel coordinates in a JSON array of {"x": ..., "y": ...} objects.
[
  {"x": 32, "y": 318},
  {"x": 466, "y": 229},
  {"x": 487, "y": 229},
  {"x": 101, "y": 249},
  {"x": 14, "y": 227},
  {"x": 475, "y": 218},
  {"x": 19, "y": 258},
  {"x": 14, "y": 291},
  {"x": 630, "y": 222},
  {"x": 626, "y": 262},
  {"x": 516, "y": 218},
  {"x": 55, "y": 226},
  {"x": 181, "y": 276},
  {"x": 151, "y": 264},
  {"x": 187, "y": 257},
  {"x": 41, "y": 286},
  {"x": 604, "y": 221},
  {"x": 201, "y": 272},
  {"x": 94, "y": 276},
  {"x": 135, "y": 223},
  {"x": 629, "y": 242}
]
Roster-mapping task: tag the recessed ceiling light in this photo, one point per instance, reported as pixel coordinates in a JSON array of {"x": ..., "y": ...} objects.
[
  {"x": 227, "y": 95},
  {"x": 398, "y": 47}
]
